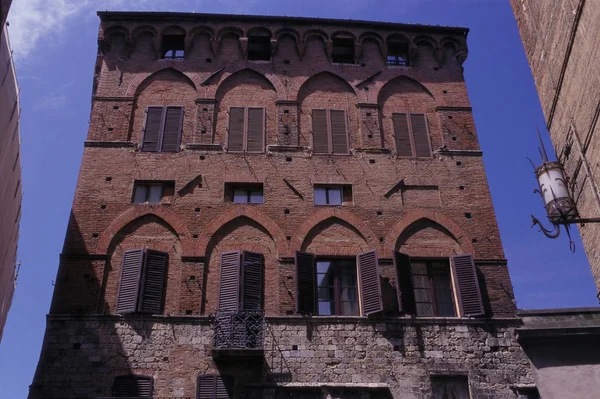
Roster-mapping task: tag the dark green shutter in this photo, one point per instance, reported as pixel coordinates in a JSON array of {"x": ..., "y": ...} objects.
[
  {"x": 339, "y": 134},
  {"x": 305, "y": 283},
  {"x": 153, "y": 282},
  {"x": 256, "y": 130},
  {"x": 229, "y": 281},
  {"x": 235, "y": 137},
  {"x": 172, "y": 130},
  {"x": 253, "y": 265},
  {"x": 129, "y": 285},
  {"x": 320, "y": 142},
  {"x": 370, "y": 286},
  {"x": 406, "y": 295},
  {"x": 402, "y": 134},
  {"x": 152, "y": 129}
]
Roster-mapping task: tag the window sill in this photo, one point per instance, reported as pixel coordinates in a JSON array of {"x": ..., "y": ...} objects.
[
  {"x": 151, "y": 203},
  {"x": 261, "y": 61}
]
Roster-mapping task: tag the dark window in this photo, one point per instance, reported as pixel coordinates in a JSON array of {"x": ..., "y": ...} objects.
[
  {"x": 259, "y": 48},
  {"x": 333, "y": 195},
  {"x": 162, "y": 131},
  {"x": 412, "y": 135},
  {"x": 330, "y": 135},
  {"x": 343, "y": 51},
  {"x": 173, "y": 47},
  {"x": 450, "y": 387},
  {"x": 132, "y": 386},
  {"x": 397, "y": 54},
  {"x": 432, "y": 288},
  {"x": 527, "y": 393},
  {"x": 329, "y": 286},
  {"x": 153, "y": 192},
  {"x": 244, "y": 193},
  {"x": 143, "y": 277},
  {"x": 214, "y": 387},
  {"x": 246, "y": 129}
]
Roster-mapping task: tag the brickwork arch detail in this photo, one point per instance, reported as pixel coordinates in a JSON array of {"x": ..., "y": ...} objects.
[
  {"x": 398, "y": 80},
  {"x": 135, "y": 212},
  {"x": 138, "y": 82},
  {"x": 419, "y": 214},
  {"x": 333, "y": 213},
  {"x": 240, "y": 212},
  {"x": 297, "y": 91},
  {"x": 272, "y": 79}
]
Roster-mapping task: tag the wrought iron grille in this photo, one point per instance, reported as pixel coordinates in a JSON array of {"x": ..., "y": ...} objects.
[{"x": 239, "y": 329}]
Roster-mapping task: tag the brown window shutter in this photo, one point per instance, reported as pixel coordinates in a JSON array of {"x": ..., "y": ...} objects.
[
  {"x": 305, "y": 283},
  {"x": 252, "y": 280},
  {"x": 172, "y": 131},
  {"x": 467, "y": 285},
  {"x": 370, "y": 286},
  {"x": 403, "y": 145},
  {"x": 256, "y": 130},
  {"x": 406, "y": 295},
  {"x": 152, "y": 129},
  {"x": 229, "y": 281},
  {"x": 153, "y": 283},
  {"x": 132, "y": 386},
  {"x": 235, "y": 138},
  {"x": 129, "y": 286},
  {"x": 214, "y": 387},
  {"x": 420, "y": 135},
  {"x": 339, "y": 134},
  {"x": 320, "y": 142}
]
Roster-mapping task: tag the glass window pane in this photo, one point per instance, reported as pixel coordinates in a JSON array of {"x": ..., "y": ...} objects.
[
  {"x": 139, "y": 196},
  {"x": 420, "y": 281},
  {"x": 256, "y": 197},
  {"x": 155, "y": 194},
  {"x": 323, "y": 266},
  {"x": 422, "y": 295},
  {"x": 320, "y": 196},
  {"x": 418, "y": 267},
  {"x": 349, "y": 294},
  {"x": 325, "y": 294},
  {"x": 350, "y": 308},
  {"x": 326, "y": 308},
  {"x": 348, "y": 276},
  {"x": 424, "y": 309},
  {"x": 335, "y": 196},
  {"x": 240, "y": 196}
]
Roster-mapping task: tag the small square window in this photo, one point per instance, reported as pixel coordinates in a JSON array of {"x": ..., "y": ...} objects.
[
  {"x": 397, "y": 54},
  {"x": 153, "y": 192},
  {"x": 251, "y": 193},
  {"x": 333, "y": 195},
  {"x": 173, "y": 47},
  {"x": 259, "y": 48},
  {"x": 343, "y": 51}
]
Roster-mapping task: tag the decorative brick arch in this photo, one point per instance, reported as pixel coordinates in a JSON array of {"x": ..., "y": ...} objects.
[
  {"x": 333, "y": 213},
  {"x": 132, "y": 90},
  {"x": 327, "y": 71},
  {"x": 138, "y": 211},
  {"x": 243, "y": 211},
  {"x": 418, "y": 214},
  {"x": 272, "y": 78}
]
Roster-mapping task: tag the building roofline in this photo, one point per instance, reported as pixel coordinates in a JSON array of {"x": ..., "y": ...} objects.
[
  {"x": 557, "y": 311},
  {"x": 145, "y": 15}
]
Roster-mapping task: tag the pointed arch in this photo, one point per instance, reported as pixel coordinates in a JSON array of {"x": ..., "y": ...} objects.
[
  {"x": 418, "y": 214},
  {"x": 304, "y": 84},
  {"x": 138, "y": 82},
  {"x": 273, "y": 83},
  {"x": 137, "y": 211},
  {"x": 333, "y": 213},
  {"x": 399, "y": 80},
  {"x": 241, "y": 212}
]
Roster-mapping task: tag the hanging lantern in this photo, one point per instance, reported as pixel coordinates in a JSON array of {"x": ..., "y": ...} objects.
[{"x": 560, "y": 207}]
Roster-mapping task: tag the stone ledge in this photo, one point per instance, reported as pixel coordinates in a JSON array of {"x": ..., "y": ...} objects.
[
  {"x": 109, "y": 144},
  {"x": 465, "y": 153}
]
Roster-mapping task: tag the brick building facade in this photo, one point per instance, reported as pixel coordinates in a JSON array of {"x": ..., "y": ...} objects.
[
  {"x": 280, "y": 207},
  {"x": 560, "y": 40}
]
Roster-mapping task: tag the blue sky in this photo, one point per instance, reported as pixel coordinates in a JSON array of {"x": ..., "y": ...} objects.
[{"x": 54, "y": 44}]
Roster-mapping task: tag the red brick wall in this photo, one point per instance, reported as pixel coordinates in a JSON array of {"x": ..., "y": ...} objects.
[{"x": 199, "y": 225}]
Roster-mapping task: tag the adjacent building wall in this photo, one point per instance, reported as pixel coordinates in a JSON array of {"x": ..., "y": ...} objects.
[
  {"x": 10, "y": 177},
  {"x": 561, "y": 41}
]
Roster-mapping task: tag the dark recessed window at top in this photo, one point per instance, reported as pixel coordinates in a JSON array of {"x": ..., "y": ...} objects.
[
  {"x": 398, "y": 54},
  {"x": 343, "y": 51},
  {"x": 173, "y": 47},
  {"x": 259, "y": 48}
]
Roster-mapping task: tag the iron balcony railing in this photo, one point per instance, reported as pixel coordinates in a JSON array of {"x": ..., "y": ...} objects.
[{"x": 239, "y": 329}]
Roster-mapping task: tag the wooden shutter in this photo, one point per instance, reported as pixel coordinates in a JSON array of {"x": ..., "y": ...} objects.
[
  {"x": 339, "y": 134},
  {"x": 320, "y": 142},
  {"x": 153, "y": 282},
  {"x": 229, "y": 281},
  {"x": 152, "y": 129},
  {"x": 214, "y": 387},
  {"x": 235, "y": 138},
  {"x": 370, "y": 286},
  {"x": 253, "y": 266},
  {"x": 132, "y": 386},
  {"x": 406, "y": 295},
  {"x": 131, "y": 271},
  {"x": 305, "y": 283},
  {"x": 420, "y": 135},
  {"x": 403, "y": 145},
  {"x": 256, "y": 130},
  {"x": 467, "y": 285},
  {"x": 172, "y": 131}
]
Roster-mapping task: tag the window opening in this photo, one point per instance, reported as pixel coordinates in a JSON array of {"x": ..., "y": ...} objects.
[
  {"x": 173, "y": 47},
  {"x": 333, "y": 195},
  {"x": 450, "y": 387},
  {"x": 153, "y": 192},
  {"x": 397, "y": 54},
  {"x": 337, "y": 287},
  {"x": 259, "y": 48},
  {"x": 343, "y": 51},
  {"x": 432, "y": 288},
  {"x": 244, "y": 193}
]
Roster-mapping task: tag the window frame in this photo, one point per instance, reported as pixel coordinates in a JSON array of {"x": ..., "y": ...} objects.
[
  {"x": 345, "y": 192},
  {"x": 148, "y": 184},
  {"x": 245, "y": 130},
  {"x": 163, "y": 122},
  {"x": 337, "y": 288},
  {"x": 446, "y": 378},
  {"x": 230, "y": 189},
  {"x": 411, "y": 135},
  {"x": 429, "y": 264}
]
